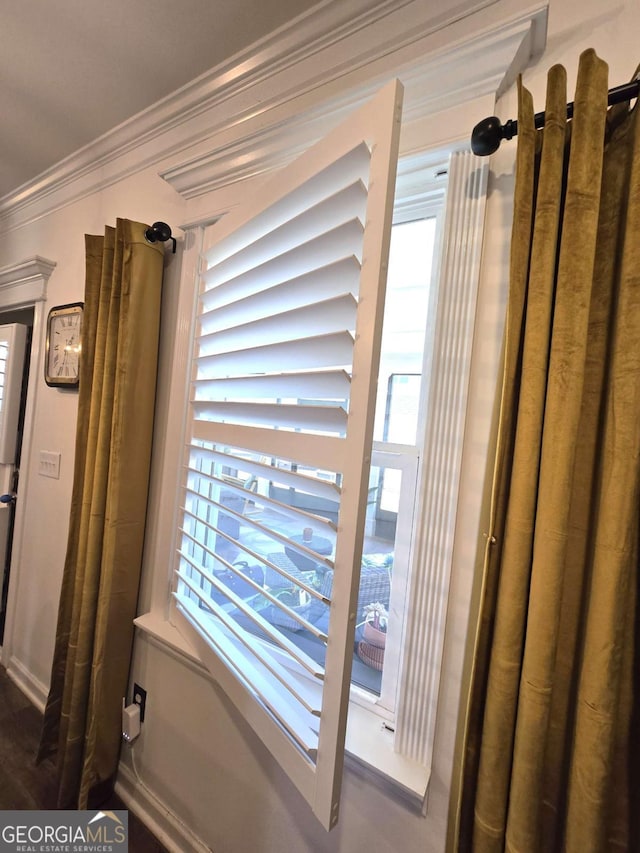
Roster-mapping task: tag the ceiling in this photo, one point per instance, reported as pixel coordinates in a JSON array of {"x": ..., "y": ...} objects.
[{"x": 74, "y": 69}]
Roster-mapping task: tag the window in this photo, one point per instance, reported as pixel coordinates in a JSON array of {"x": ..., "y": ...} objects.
[{"x": 276, "y": 502}]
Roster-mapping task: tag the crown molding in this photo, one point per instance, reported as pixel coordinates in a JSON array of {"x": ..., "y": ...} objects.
[
  {"x": 25, "y": 283},
  {"x": 438, "y": 82},
  {"x": 337, "y": 46}
]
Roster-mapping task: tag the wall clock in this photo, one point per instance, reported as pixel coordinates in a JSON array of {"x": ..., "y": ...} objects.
[{"x": 64, "y": 345}]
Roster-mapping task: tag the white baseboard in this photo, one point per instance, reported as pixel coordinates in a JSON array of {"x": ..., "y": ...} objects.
[
  {"x": 155, "y": 814},
  {"x": 32, "y": 687}
]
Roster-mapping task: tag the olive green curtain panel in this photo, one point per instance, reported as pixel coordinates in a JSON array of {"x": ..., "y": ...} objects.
[
  {"x": 552, "y": 737},
  {"x": 82, "y": 724}
]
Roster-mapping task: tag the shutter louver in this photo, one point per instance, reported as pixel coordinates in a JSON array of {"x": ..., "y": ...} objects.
[{"x": 279, "y": 441}]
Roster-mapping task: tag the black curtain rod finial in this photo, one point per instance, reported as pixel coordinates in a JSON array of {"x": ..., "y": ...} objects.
[
  {"x": 162, "y": 232},
  {"x": 489, "y": 133}
]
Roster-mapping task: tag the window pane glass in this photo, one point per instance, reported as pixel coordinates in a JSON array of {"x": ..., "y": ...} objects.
[
  {"x": 376, "y": 578},
  {"x": 268, "y": 543},
  {"x": 403, "y": 335},
  {"x": 265, "y": 534}
]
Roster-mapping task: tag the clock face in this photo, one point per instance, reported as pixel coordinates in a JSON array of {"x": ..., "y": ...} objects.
[{"x": 64, "y": 345}]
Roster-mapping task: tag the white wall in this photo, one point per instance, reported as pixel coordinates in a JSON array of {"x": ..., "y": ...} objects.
[{"x": 201, "y": 770}]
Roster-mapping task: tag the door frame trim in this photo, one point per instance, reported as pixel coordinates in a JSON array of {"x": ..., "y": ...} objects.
[{"x": 24, "y": 285}]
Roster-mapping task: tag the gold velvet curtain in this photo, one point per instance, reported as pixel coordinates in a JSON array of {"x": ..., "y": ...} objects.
[
  {"x": 552, "y": 743},
  {"x": 82, "y": 724}
]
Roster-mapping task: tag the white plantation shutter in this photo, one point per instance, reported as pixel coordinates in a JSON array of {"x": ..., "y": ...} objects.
[{"x": 279, "y": 440}]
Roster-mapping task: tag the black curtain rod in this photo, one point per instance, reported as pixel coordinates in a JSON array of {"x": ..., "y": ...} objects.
[{"x": 489, "y": 133}]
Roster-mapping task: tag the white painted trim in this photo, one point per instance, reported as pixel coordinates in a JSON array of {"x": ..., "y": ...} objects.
[
  {"x": 435, "y": 528},
  {"x": 24, "y": 284},
  {"x": 155, "y": 813},
  {"x": 32, "y": 687}
]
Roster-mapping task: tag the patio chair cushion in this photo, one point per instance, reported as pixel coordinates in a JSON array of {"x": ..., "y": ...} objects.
[
  {"x": 375, "y": 582},
  {"x": 375, "y": 585}
]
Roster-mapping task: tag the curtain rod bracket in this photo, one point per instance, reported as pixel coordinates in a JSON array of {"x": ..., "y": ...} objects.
[{"x": 162, "y": 232}]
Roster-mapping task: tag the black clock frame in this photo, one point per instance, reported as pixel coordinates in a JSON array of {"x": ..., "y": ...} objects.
[{"x": 56, "y": 311}]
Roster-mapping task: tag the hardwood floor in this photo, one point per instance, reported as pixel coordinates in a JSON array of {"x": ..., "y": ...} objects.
[
  {"x": 22, "y": 784},
  {"x": 25, "y": 786}
]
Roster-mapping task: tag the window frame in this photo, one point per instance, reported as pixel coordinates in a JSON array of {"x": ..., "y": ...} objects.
[
  {"x": 439, "y": 488},
  {"x": 372, "y": 738},
  {"x": 422, "y": 198}
]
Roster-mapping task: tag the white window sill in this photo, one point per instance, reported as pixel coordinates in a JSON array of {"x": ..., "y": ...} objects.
[
  {"x": 165, "y": 635},
  {"x": 369, "y": 742},
  {"x": 370, "y": 749}
]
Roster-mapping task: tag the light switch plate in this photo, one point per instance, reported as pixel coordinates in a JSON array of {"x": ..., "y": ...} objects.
[{"x": 49, "y": 465}]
